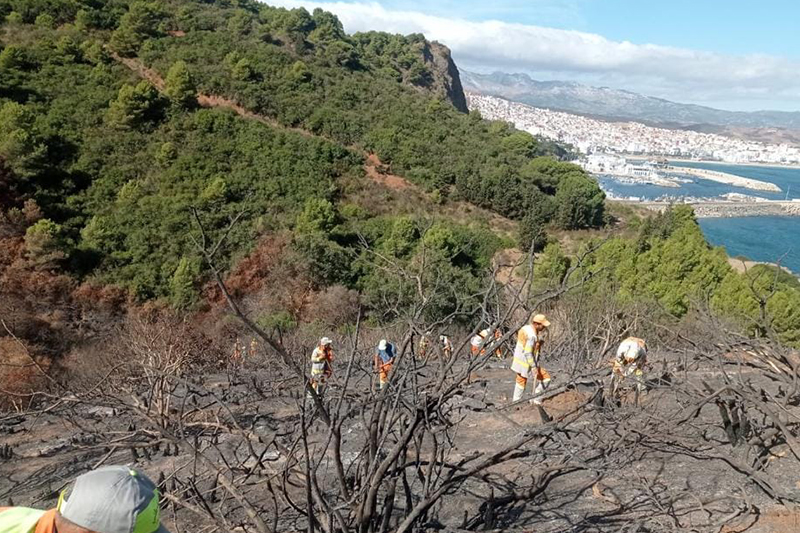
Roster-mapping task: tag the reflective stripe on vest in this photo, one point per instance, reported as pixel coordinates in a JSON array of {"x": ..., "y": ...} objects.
[
  {"x": 319, "y": 361},
  {"x": 524, "y": 364},
  {"x": 19, "y": 520}
]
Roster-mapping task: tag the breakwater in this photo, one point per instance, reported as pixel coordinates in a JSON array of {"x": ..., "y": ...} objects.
[
  {"x": 730, "y": 179},
  {"x": 706, "y": 209}
]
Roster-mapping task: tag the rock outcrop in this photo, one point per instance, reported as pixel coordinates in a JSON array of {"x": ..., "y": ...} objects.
[{"x": 445, "y": 80}]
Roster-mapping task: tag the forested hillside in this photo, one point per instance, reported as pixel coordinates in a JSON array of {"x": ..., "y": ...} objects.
[
  {"x": 115, "y": 164},
  {"x": 119, "y": 120},
  {"x": 196, "y": 194}
]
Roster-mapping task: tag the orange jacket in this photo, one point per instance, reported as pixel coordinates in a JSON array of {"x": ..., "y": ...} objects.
[{"x": 46, "y": 524}]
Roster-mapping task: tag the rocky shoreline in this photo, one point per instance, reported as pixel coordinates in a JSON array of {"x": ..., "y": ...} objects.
[{"x": 746, "y": 209}]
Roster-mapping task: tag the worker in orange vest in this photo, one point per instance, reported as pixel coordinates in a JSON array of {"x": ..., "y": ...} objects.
[
  {"x": 630, "y": 361},
  {"x": 321, "y": 364},
  {"x": 526, "y": 358},
  {"x": 446, "y": 345},
  {"x": 106, "y": 500},
  {"x": 477, "y": 342},
  {"x": 424, "y": 345},
  {"x": 384, "y": 359},
  {"x": 498, "y": 350}
]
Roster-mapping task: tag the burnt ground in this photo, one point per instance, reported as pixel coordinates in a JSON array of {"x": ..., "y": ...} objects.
[{"x": 664, "y": 465}]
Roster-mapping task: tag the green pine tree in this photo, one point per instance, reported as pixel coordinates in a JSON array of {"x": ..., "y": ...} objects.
[{"x": 180, "y": 87}]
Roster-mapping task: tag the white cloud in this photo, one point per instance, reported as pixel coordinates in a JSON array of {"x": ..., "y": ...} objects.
[{"x": 746, "y": 81}]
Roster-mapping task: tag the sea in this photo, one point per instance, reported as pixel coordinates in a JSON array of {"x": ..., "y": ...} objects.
[{"x": 769, "y": 239}]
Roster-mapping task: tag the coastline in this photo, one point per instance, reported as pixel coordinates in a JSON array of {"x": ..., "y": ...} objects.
[
  {"x": 712, "y": 162},
  {"x": 702, "y": 173},
  {"x": 748, "y": 225},
  {"x": 638, "y": 180},
  {"x": 724, "y": 163},
  {"x": 723, "y": 209},
  {"x": 743, "y": 265},
  {"x": 728, "y": 179}
]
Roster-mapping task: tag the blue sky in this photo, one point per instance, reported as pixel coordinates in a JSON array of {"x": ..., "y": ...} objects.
[
  {"x": 735, "y": 26},
  {"x": 735, "y": 54}
]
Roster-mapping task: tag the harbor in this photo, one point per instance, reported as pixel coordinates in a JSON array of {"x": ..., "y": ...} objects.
[
  {"x": 660, "y": 173},
  {"x": 728, "y": 179}
]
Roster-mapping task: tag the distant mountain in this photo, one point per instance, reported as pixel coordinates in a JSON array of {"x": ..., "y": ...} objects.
[{"x": 618, "y": 104}]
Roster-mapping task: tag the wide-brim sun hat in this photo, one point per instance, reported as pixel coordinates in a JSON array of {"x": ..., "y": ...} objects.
[{"x": 541, "y": 319}]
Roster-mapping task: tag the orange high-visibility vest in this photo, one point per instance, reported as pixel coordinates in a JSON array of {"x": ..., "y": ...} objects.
[
  {"x": 524, "y": 358},
  {"x": 25, "y": 520}
]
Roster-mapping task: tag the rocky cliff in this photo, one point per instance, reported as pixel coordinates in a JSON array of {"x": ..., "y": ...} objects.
[{"x": 445, "y": 79}]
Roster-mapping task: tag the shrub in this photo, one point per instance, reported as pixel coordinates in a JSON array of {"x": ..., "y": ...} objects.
[
  {"x": 180, "y": 87},
  {"x": 45, "y": 243}
]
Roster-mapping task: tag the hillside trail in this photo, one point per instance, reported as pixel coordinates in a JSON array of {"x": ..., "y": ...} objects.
[
  {"x": 208, "y": 100},
  {"x": 373, "y": 167}
]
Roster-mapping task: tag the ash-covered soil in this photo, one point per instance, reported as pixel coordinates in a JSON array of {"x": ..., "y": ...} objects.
[{"x": 664, "y": 464}]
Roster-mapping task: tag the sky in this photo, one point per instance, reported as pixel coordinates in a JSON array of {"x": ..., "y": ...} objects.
[{"x": 732, "y": 54}]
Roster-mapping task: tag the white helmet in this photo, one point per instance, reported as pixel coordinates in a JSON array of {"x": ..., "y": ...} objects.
[
  {"x": 382, "y": 344},
  {"x": 325, "y": 341}
]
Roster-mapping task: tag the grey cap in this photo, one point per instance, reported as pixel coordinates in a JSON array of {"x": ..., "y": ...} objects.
[{"x": 113, "y": 499}]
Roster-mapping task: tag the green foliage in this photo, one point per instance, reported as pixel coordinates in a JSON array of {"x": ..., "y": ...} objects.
[
  {"x": 242, "y": 70},
  {"x": 579, "y": 202},
  {"x": 670, "y": 263},
  {"x": 45, "y": 20},
  {"x": 45, "y": 243},
  {"x": 14, "y": 18},
  {"x": 182, "y": 291},
  {"x": 442, "y": 263},
  {"x": 143, "y": 20},
  {"x": 93, "y": 52},
  {"x": 346, "y": 89},
  {"x": 534, "y": 221},
  {"x": 118, "y": 171},
  {"x": 551, "y": 266},
  {"x": 783, "y": 311},
  {"x": 180, "y": 87},
  {"x": 318, "y": 216},
  {"x": 326, "y": 261},
  {"x": 44, "y": 13},
  {"x": 167, "y": 154},
  {"x": 12, "y": 57},
  {"x": 135, "y": 106},
  {"x": 19, "y": 143},
  {"x": 280, "y": 321},
  {"x": 241, "y": 23},
  {"x": 215, "y": 194},
  {"x": 764, "y": 300},
  {"x": 404, "y": 234}
]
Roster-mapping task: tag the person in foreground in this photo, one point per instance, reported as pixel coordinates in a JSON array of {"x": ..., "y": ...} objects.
[{"x": 112, "y": 499}]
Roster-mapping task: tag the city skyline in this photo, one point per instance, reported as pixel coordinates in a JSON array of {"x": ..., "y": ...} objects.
[
  {"x": 732, "y": 56},
  {"x": 588, "y": 135}
]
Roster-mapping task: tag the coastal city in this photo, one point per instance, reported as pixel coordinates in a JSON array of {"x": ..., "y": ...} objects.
[{"x": 589, "y": 135}]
